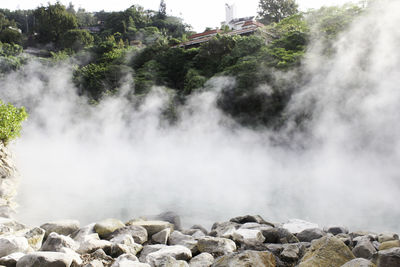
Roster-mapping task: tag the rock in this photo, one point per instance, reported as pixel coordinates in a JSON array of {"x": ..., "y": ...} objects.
[
  {"x": 246, "y": 259},
  {"x": 296, "y": 226},
  {"x": 202, "y": 260},
  {"x": 364, "y": 249},
  {"x": 149, "y": 249},
  {"x": 248, "y": 237},
  {"x": 359, "y": 262},
  {"x": 387, "y": 237},
  {"x": 389, "y": 244},
  {"x": 76, "y": 259},
  {"x": 387, "y": 258},
  {"x": 152, "y": 227},
  {"x": 290, "y": 253},
  {"x": 64, "y": 227},
  {"x": 161, "y": 237},
  {"x": 364, "y": 233},
  {"x": 11, "y": 260},
  {"x": 12, "y": 244},
  {"x": 250, "y": 219},
  {"x": 310, "y": 234},
  {"x": 326, "y": 251},
  {"x": 336, "y": 230},
  {"x": 177, "y": 252},
  {"x": 224, "y": 229},
  {"x": 346, "y": 239},
  {"x": 107, "y": 226},
  {"x": 138, "y": 233},
  {"x": 199, "y": 227},
  {"x": 45, "y": 259},
  {"x": 195, "y": 233},
  {"x": 80, "y": 234},
  {"x": 177, "y": 238},
  {"x": 128, "y": 241},
  {"x": 279, "y": 236},
  {"x": 169, "y": 262},
  {"x": 9, "y": 226},
  {"x": 275, "y": 248},
  {"x": 126, "y": 260},
  {"x": 170, "y": 217},
  {"x": 216, "y": 245},
  {"x": 255, "y": 226},
  {"x": 91, "y": 243},
  {"x": 55, "y": 242},
  {"x": 94, "y": 263},
  {"x": 35, "y": 237}
]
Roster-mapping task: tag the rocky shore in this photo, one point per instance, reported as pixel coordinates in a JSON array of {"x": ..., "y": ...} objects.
[{"x": 241, "y": 241}]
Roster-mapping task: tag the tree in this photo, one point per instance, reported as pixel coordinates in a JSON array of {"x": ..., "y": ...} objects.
[
  {"x": 275, "y": 10},
  {"x": 52, "y": 22},
  {"x": 11, "y": 119},
  {"x": 77, "y": 39},
  {"x": 162, "y": 11}
]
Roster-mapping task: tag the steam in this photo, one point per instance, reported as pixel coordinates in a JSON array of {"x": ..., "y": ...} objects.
[{"x": 119, "y": 159}]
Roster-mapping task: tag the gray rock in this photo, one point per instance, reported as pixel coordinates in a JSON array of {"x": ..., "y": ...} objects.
[
  {"x": 11, "y": 260},
  {"x": 290, "y": 253},
  {"x": 91, "y": 243},
  {"x": 76, "y": 259},
  {"x": 128, "y": 241},
  {"x": 250, "y": 219},
  {"x": 169, "y": 262},
  {"x": 149, "y": 249},
  {"x": 195, "y": 233},
  {"x": 279, "y": 236},
  {"x": 55, "y": 242},
  {"x": 152, "y": 227},
  {"x": 12, "y": 244},
  {"x": 387, "y": 258},
  {"x": 161, "y": 237},
  {"x": 224, "y": 229},
  {"x": 364, "y": 249},
  {"x": 170, "y": 217},
  {"x": 80, "y": 234},
  {"x": 125, "y": 260},
  {"x": 202, "y": 260},
  {"x": 248, "y": 237},
  {"x": 389, "y": 244},
  {"x": 177, "y": 252},
  {"x": 346, "y": 239},
  {"x": 216, "y": 245},
  {"x": 359, "y": 262},
  {"x": 383, "y": 237},
  {"x": 63, "y": 227},
  {"x": 107, "y": 226},
  {"x": 246, "y": 259},
  {"x": 45, "y": 259},
  {"x": 371, "y": 235},
  {"x": 255, "y": 226},
  {"x": 9, "y": 226},
  {"x": 177, "y": 238},
  {"x": 138, "y": 233},
  {"x": 310, "y": 234},
  {"x": 336, "y": 230},
  {"x": 94, "y": 263},
  {"x": 35, "y": 237},
  {"x": 199, "y": 227},
  {"x": 296, "y": 226},
  {"x": 275, "y": 248}
]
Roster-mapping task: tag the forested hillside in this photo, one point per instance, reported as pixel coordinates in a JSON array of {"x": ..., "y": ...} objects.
[{"x": 136, "y": 49}]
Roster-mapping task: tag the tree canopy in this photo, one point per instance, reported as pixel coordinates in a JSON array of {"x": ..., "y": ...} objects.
[{"x": 270, "y": 11}]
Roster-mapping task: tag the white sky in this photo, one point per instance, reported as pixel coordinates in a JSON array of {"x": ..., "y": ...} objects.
[{"x": 199, "y": 14}]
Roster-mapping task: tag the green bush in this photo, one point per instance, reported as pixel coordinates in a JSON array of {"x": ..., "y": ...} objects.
[{"x": 11, "y": 119}]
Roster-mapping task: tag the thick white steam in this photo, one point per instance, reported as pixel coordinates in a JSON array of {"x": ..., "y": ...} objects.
[{"x": 120, "y": 160}]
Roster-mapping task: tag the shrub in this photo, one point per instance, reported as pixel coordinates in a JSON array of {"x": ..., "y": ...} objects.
[{"x": 11, "y": 119}]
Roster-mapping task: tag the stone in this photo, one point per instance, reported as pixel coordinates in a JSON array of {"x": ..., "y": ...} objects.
[
  {"x": 80, "y": 234},
  {"x": 387, "y": 237},
  {"x": 310, "y": 234},
  {"x": 62, "y": 227},
  {"x": 346, "y": 239},
  {"x": 91, "y": 243},
  {"x": 389, "y": 244},
  {"x": 76, "y": 259},
  {"x": 296, "y": 226},
  {"x": 35, "y": 237},
  {"x": 55, "y": 242},
  {"x": 127, "y": 240},
  {"x": 290, "y": 253},
  {"x": 125, "y": 260},
  {"x": 138, "y": 233},
  {"x": 255, "y": 226},
  {"x": 45, "y": 259},
  {"x": 279, "y": 236},
  {"x": 11, "y": 260},
  {"x": 177, "y": 238},
  {"x": 246, "y": 259},
  {"x": 202, "y": 260},
  {"x": 152, "y": 227},
  {"x": 94, "y": 263},
  {"x": 250, "y": 219},
  {"x": 170, "y": 217},
  {"x": 9, "y": 226},
  {"x": 177, "y": 252},
  {"x": 216, "y": 245},
  {"x": 195, "y": 233},
  {"x": 149, "y": 249},
  {"x": 387, "y": 258},
  {"x": 364, "y": 249},
  {"x": 169, "y": 262},
  {"x": 326, "y": 251},
  {"x": 199, "y": 227},
  {"x": 336, "y": 230},
  {"x": 359, "y": 262},
  {"x": 248, "y": 237},
  {"x": 224, "y": 229},
  {"x": 371, "y": 235},
  {"x": 107, "y": 226},
  {"x": 12, "y": 244},
  {"x": 161, "y": 237}
]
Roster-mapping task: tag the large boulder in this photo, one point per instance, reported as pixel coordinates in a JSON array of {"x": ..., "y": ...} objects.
[
  {"x": 310, "y": 234},
  {"x": 138, "y": 233},
  {"x": 279, "y": 236},
  {"x": 56, "y": 242},
  {"x": 216, "y": 245},
  {"x": 248, "y": 237},
  {"x": 359, "y": 262},
  {"x": 35, "y": 237},
  {"x": 107, "y": 226},
  {"x": 152, "y": 227},
  {"x": 202, "y": 260},
  {"x": 63, "y": 227},
  {"x": 291, "y": 253},
  {"x": 387, "y": 258},
  {"x": 364, "y": 249},
  {"x": 389, "y": 244},
  {"x": 12, "y": 244},
  {"x": 177, "y": 238},
  {"x": 45, "y": 259},
  {"x": 383, "y": 237},
  {"x": 161, "y": 237},
  {"x": 326, "y": 251},
  {"x": 11, "y": 260},
  {"x": 246, "y": 259}
]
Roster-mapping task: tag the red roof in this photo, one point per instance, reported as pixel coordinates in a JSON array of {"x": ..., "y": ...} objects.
[
  {"x": 251, "y": 22},
  {"x": 204, "y": 33}
]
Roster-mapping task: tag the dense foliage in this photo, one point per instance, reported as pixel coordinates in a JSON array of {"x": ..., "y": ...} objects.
[{"x": 11, "y": 119}]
